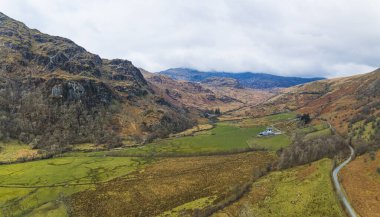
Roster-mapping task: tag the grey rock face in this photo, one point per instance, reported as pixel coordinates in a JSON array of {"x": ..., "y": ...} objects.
[
  {"x": 125, "y": 70},
  {"x": 74, "y": 90},
  {"x": 88, "y": 92},
  {"x": 57, "y": 92}
]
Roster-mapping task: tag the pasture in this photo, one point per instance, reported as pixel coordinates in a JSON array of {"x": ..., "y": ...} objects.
[
  {"x": 25, "y": 187},
  {"x": 301, "y": 191}
]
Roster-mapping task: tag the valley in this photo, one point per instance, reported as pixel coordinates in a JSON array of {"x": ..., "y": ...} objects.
[
  {"x": 189, "y": 175},
  {"x": 82, "y": 135}
]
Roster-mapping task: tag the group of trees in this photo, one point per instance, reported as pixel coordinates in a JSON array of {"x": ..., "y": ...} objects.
[
  {"x": 305, "y": 151},
  {"x": 212, "y": 113},
  {"x": 304, "y": 118}
]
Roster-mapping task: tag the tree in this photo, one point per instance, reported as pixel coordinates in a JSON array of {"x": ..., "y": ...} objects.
[
  {"x": 217, "y": 111},
  {"x": 305, "y": 118}
]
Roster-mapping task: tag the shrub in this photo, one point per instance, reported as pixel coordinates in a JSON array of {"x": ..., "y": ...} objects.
[{"x": 372, "y": 155}]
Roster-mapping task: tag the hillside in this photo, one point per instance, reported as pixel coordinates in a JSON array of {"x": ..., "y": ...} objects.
[
  {"x": 347, "y": 103},
  {"x": 244, "y": 79},
  {"x": 205, "y": 96},
  {"x": 53, "y": 93}
]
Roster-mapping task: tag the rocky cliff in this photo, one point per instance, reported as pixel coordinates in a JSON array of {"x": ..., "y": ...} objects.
[{"x": 53, "y": 93}]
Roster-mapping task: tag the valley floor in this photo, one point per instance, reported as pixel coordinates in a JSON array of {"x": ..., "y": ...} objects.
[{"x": 218, "y": 168}]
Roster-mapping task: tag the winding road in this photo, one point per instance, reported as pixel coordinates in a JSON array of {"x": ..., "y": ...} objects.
[{"x": 338, "y": 187}]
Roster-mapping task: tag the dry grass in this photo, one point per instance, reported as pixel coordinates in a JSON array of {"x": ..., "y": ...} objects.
[
  {"x": 362, "y": 184},
  {"x": 170, "y": 183},
  {"x": 13, "y": 150},
  {"x": 193, "y": 130}
]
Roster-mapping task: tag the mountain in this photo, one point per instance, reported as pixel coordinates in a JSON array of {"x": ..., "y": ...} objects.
[
  {"x": 346, "y": 103},
  {"x": 219, "y": 93},
  {"x": 54, "y": 93},
  {"x": 244, "y": 79}
]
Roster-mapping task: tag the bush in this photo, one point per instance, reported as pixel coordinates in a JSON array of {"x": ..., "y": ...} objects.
[
  {"x": 304, "y": 118},
  {"x": 372, "y": 155},
  {"x": 378, "y": 170},
  {"x": 360, "y": 146}
]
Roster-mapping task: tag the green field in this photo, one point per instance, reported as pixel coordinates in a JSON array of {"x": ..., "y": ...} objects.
[
  {"x": 313, "y": 128},
  {"x": 317, "y": 134},
  {"x": 196, "y": 204},
  {"x": 301, "y": 191},
  {"x": 281, "y": 116},
  {"x": 27, "y": 186},
  {"x": 40, "y": 188},
  {"x": 271, "y": 143},
  {"x": 225, "y": 137}
]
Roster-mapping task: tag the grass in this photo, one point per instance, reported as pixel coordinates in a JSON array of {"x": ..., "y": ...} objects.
[
  {"x": 361, "y": 181},
  {"x": 171, "y": 184},
  {"x": 223, "y": 138},
  {"x": 313, "y": 128},
  {"x": 40, "y": 187},
  {"x": 27, "y": 186},
  {"x": 281, "y": 116},
  {"x": 193, "y": 130},
  {"x": 302, "y": 191},
  {"x": 85, "y": 147},
  {"x": 271, "y": 143},
  {"x": 317, "y": 134},
  {"x": 364, "y": 131},
  {"x": 267, "y": 120},
  {"x": 196, "y": 204},
  {"x": 12, "y": 150},
  {"x": 56, "y": 209}
]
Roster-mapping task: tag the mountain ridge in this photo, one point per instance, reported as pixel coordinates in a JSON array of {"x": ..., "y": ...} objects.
[{"x": 245, "y": 79}]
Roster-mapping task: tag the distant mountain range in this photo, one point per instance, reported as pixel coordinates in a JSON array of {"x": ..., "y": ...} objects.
[{"x": 245, "y": 79}]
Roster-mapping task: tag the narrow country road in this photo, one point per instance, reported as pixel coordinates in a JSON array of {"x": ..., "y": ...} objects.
[{"x": 338, "y": 187}]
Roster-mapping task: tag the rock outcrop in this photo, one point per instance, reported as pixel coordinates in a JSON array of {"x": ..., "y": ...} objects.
[{"x": 54, "y": 93}]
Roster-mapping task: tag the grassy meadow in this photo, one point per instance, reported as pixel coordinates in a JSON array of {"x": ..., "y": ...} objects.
[
  {"x": 223, "y": 138},
  {"x": 228, "y": 136},
  {"x": 301, "y": 191},
  {"x": 43, "y": 187},
  {"x": 25, "y": 187}
]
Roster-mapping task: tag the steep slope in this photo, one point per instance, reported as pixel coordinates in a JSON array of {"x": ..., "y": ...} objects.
[
  {"x": 342, "y": 101},
  {"x": 244, "y": 79},
  {"x": 222, "y": 94},
  {"x": 54, "y": 93}
]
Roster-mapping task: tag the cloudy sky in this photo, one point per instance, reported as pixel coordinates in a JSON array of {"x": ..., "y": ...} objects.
[{"x": 295, "y": 37}]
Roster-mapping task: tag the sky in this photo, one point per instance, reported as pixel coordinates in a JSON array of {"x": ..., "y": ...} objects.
[{"x": 308, "y": 38}]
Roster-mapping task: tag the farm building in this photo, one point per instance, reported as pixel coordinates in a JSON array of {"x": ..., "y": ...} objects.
[{"x": 268, "y": 132}]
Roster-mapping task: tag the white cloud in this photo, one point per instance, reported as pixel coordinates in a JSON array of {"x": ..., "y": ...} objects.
[
  {"x": 295, "y": 37},
  {"x": 347, "y": 69}
]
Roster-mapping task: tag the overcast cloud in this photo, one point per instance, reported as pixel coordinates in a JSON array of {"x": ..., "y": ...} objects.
[{"x": 296, "y": 37}]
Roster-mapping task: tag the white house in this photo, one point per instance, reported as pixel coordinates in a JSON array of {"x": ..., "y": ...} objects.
[{"x": 267, "y": 132}]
